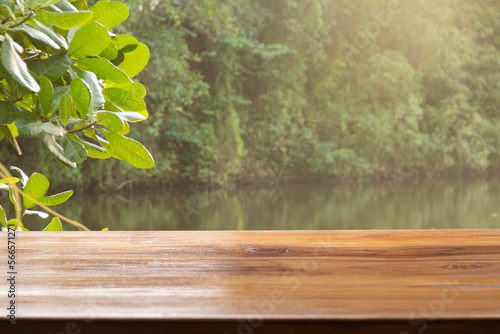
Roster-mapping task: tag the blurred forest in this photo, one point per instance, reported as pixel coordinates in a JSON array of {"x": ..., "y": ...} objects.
[{"x": 243, "y": 90}]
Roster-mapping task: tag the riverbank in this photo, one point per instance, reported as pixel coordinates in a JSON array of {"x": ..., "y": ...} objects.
[
  {"x": 441, "y": 203},
  {"x": 97, "y": 176},
  {"x": 241, "y": 181}
]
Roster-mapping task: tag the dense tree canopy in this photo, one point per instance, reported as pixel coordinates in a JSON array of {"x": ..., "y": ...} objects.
[{"x": 245, "y": 89}]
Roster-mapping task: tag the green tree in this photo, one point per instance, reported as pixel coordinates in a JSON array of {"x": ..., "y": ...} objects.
[{"x": 247, "y": 89}]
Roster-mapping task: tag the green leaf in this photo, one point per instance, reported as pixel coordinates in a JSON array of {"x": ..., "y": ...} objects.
[
  {"x": 134, "y": 61},
  {"x": 41, "y": 3},
  {"x": 104, "y": 70},
  {"x": 93, "y": 150},
  {"x": 74, "y": 151},
  {"x": 96, "y": 97},
  {"x": 52, "y": 34},
  {"x": 28, "y": 127},
  {"x": 125, "y": 130},
  {"x": 36, "y": 34},
  {"x": 80, "y": 93},
  {"x": 9, "y": 112},
  {"x": 46, "y": 95},
  {"x": 56, "y": 199},
  {"x": 53, "y": 129},
  {"x": 17, "y": 47},
  {"x": 111, "y": 121},
  {"x": 111, "y": 52},
  {"x": 56, "y": 150},
  {"x": 10, "y": 136},
  {"x": 110, "y": 13},
  {"x": 12, "y": 197},
  {"x": 3, "y": 217},
  {"x": 1, "y": 134},
  {"x": 15, "y": 222},
  {"x": 6, "y": 182},
  {"x": 129, "y": 151},
  {"x": 15, "y": 89},
  {"x": 130, "y": 116},
  {"x": 80, "y": 4},
  {"x": 13, "y": 129},
  {"x": 90, "y": 40},
  {"x": 58, "y": 93},
  {"x": 9, "y": 180},
  {"x": 16, "y": 67},
  {"x": 95, "y": 153},
  {"x": 64, "y": 20},
  {"x": 36, "y": 187},
  {"x": 65, "y": 109},
  {"x": 24, "y": 177},
  {"x": 53, "y": 67},
  {"x": 128, "y": 97},
  {"x": 40, "y": 214},
  {"x": 54, "y": 226},
  {"x": 65, "y": 6},
  {"x": 111, "y": 107},
  {"x": 122, "y": 41}
]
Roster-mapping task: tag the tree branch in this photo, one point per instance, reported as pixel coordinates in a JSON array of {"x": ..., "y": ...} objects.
[
  {"x": 22, "y": 21},
  {"x": 88, "y": 126}
]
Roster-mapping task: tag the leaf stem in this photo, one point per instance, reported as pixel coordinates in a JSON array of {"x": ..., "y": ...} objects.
[
  {"x": 34, "y": 57},
  {"x": 22, "y": 21},
  {"x": 88, "y": 126}
]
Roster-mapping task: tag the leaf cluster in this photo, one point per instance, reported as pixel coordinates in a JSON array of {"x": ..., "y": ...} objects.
[
  {"x": 67, "y": 80},
  {"x": 34, "y": 189}
]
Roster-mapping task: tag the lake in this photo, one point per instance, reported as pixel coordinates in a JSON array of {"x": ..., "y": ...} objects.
[{"x": 418, "y": 204}]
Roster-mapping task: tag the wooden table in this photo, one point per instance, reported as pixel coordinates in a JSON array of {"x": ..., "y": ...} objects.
[{"x": 400, "y": 282}]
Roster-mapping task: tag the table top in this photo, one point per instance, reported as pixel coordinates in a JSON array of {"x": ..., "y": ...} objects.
[{"x": 268, "y": 275}]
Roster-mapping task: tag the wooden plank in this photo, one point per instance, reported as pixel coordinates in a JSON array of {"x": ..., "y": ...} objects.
[{"x": 373, "y": 278}]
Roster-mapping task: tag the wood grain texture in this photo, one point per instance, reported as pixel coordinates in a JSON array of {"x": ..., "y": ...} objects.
[{"x": 413, "y": 277}]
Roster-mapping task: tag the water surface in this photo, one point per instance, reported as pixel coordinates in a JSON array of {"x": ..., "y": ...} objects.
[{"x": 441, "y": 204}]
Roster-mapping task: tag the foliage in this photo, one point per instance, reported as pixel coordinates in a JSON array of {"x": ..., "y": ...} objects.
[
  {"x": 250, "y": 89},
  {"x": 279, "y": 88},
  {"x": 34, "y": 189},
  {"x": 66, "y": 81}
]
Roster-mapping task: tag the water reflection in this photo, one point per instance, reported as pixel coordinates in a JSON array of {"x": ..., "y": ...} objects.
[{"x": 454, "y": 204}]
